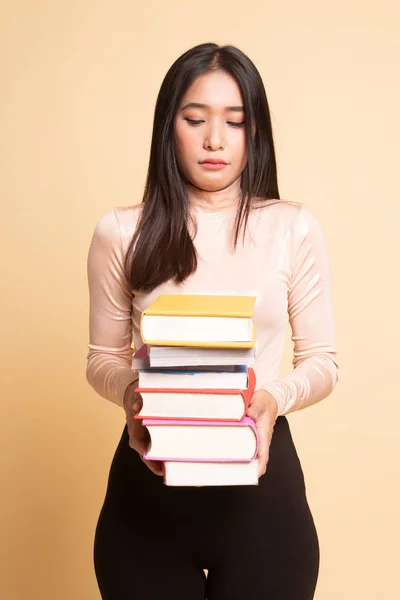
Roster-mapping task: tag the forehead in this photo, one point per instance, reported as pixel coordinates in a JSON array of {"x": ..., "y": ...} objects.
[{"x": 217, "y": 89}]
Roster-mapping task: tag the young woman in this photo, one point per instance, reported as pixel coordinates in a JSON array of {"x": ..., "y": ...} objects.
[{"x": 211, "y": 222}]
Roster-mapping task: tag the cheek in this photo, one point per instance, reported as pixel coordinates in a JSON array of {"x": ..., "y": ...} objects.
[
  {"x": 184, "y": 151},
  {"x": 184, "y": 139},
  {"x": 240, "y": 149}
]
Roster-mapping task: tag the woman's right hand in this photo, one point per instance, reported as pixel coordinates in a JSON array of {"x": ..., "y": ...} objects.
[{"x": 139, "y": 436}]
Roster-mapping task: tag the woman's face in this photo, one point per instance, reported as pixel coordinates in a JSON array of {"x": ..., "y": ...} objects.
[{"x": 209, "y": 125}]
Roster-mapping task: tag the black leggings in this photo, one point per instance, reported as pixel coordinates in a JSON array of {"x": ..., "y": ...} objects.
[{"x": 152, "y": 541}]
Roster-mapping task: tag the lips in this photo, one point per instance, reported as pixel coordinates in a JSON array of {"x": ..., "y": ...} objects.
[{"x": 213, "y": 161}]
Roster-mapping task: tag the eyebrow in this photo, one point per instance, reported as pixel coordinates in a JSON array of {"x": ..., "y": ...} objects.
[{"x": 199, "y": 105}]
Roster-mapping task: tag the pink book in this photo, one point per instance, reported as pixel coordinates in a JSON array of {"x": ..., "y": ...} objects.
[{"x": 202, "y": 441}]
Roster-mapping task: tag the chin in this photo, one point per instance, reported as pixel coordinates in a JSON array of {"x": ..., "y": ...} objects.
[
  {"x": 213, "y": 187},
  {"x": 212, "y": 184}
]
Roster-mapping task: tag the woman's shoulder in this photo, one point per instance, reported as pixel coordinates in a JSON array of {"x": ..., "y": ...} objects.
[
  {"x": 128, "y": 217},
  {"x": 118, "y": 225},
  {"x": 276, "y": 208},
  {"x": 294, "y": 214}
]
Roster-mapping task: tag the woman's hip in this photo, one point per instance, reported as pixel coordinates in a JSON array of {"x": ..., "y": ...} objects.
[{"x": 131, "y": 483}]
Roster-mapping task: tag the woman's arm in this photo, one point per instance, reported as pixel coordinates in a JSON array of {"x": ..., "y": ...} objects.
[
  {"x": 315, "y": 371},
  {"x": 110, "y": 324}
]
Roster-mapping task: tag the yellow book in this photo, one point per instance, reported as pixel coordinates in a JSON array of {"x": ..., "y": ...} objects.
[
  {"x": 197, "y": 305},
  {"x": 199, "y": 320}
]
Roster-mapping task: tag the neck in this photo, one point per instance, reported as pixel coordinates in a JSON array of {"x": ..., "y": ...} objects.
[{"x": 215, "y": 201}]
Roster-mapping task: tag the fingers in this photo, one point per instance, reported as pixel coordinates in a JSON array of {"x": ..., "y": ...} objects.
[
  {"x": 130, "y": 396},
  {"x": 262, "y": 451},
  {"x": 137, "y": 406},
  {"x": 140, "y": 446},
  {"x": 256, "y": 408},
  {"x": 262, "y": 409},
  {"x": 262, "y": 464},
  {"x": 137, "y": 403},
  {"x": 139, "y": 436},
  {"x": 257, "y": 405},
  {"x": 154, "y": 465},
  {"x": 262, "y": 402},
  {"x": 264, "y": 430}
]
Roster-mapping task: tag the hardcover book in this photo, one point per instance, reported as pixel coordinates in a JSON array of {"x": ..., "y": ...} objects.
[
  {"x": 213, "y": 378},
  {"x": 202, "y": 441},
  {"x": 199, "y": 320},
  {"x": 186, "y": 356},
  {"x": 199, "y": 404},
  {"x": 200, "y": 474}
]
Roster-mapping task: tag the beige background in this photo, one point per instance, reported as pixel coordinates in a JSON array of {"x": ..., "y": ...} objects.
[{"x": 78, "y": 87}]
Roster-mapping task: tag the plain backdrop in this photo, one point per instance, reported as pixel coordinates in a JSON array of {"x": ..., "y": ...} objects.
[{"x": 79, "y": 80}]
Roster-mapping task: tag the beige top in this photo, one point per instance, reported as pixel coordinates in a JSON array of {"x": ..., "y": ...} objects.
[{"x": 283, "y": 262}]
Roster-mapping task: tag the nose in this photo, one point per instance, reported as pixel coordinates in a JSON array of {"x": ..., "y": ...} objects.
[{"x": 214, "y": 138}]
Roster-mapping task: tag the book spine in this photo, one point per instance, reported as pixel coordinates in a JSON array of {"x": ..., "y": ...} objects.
[
  {"x": 141, "y": 328},
  {"x": 197, "y": 305},
  {"x": 244, "y": 422},
  {"x": 199, "y": 344},
  {"x": 196, "y": 420},
  {"x": 247, "y": 314},
  {"x": 251, "y": 384},
  {"x": 198, "y": 460},
  {"x": 196, "y": 390}
]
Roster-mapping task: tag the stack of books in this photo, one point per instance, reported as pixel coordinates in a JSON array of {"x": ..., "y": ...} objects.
[{"x": 196, "y": 383}]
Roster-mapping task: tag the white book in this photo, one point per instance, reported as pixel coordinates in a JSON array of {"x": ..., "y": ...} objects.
[
  {"x": 188, "y": 356},
  {"x": 202, "y": 329},
  {"x": 201, "y": 441},
  {"x": 173, "y": 405},
  {"x": 187, "y": 379},
  {"x": 207, "y": 474}
]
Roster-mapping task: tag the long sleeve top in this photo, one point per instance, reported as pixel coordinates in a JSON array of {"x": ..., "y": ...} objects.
[{"x": 283, "y": 261}]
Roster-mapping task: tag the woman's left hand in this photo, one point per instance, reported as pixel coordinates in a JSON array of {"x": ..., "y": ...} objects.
[{"x": 264, "y": 410}]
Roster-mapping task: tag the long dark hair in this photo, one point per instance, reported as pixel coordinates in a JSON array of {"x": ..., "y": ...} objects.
[{"x": 162, "y": 248}]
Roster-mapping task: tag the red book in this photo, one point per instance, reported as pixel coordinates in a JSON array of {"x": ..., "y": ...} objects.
[{"x": 196, "y": 404}]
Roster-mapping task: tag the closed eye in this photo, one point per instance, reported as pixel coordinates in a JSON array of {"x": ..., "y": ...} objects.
[{"x": 197, "y": 122}]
